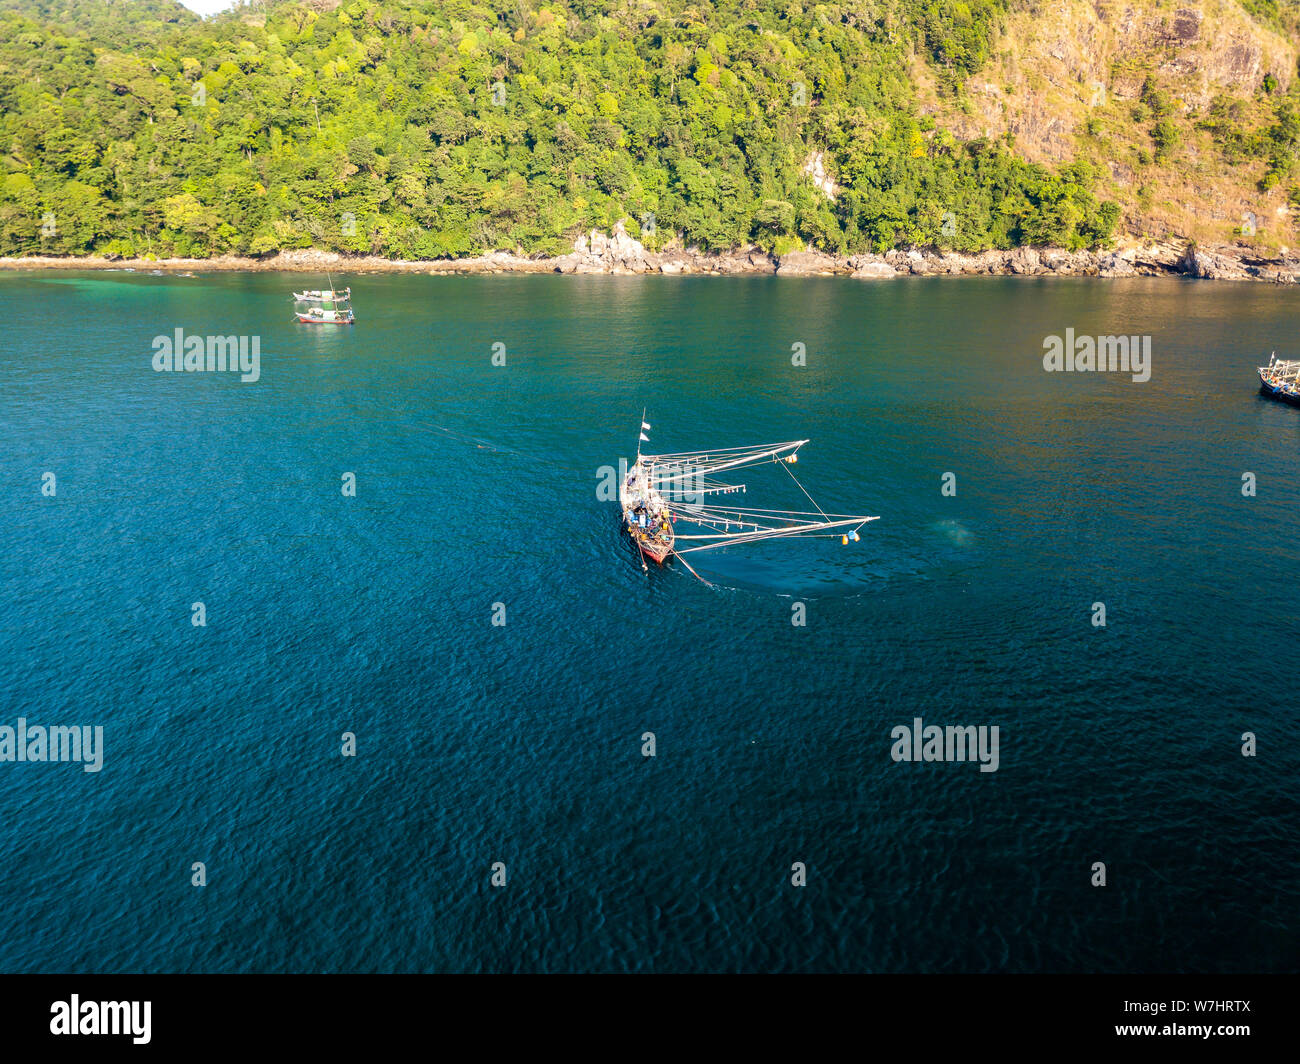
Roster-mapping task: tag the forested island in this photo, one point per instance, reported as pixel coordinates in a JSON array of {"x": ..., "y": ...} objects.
[{"x": 444, "y": 129}]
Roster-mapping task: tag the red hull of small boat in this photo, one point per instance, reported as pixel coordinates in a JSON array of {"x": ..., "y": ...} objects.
[
  {"x": 656, "y": 553},
  {"x": 654, "y": 549}
]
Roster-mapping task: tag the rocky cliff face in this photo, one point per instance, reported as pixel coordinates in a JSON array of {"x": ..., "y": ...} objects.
[
  {"x": 1059, "y": 62},
  {"x": 1066, "y": 82},
  {"x": 598, "y": 253},
  {"x": 619, "y": 253},
  {"x": 814, "y": 169}
]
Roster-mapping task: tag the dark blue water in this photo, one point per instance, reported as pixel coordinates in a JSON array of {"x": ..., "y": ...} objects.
[{"x": 477, "y": 484}]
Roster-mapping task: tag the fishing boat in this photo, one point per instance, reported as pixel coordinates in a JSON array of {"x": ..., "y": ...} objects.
[
  {"x": 326, "y": 314},
  {"x": 1280, "y": 379},
  {"x": 647, "y": 517},
  {"x": 329, "y": 306},
  {"x": 668, "y": 509},
  {"x": 324, "y": 293}
]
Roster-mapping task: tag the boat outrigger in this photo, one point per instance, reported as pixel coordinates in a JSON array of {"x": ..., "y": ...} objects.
[
  {"x": 663, "y": 491},
  {"x": 330, "y": 307},
  {"x": 1281, "y": 379}
]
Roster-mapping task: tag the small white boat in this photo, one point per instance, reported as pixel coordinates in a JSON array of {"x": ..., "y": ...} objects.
[
  {"x": 324, "y": 295},
  {"x": 322, "y": 316},
  {"x": 330, "y": 306}
]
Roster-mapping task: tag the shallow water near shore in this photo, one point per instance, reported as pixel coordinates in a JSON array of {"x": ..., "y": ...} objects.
[{"x": 477, "y": 484}]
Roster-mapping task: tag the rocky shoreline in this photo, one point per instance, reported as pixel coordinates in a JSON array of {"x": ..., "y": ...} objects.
[{"x": 620, "y": 253}]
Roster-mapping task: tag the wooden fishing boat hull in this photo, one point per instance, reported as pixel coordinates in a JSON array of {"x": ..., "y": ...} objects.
[
  {"x": 1275, "y": 392},
  {"x": 657, "y": 547},
  {"x": 323, "y": 321},
  {"x": 656, "y": 550}
]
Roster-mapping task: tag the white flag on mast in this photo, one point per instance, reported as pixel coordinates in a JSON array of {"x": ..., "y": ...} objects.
[
  {"x": 645, "y": 438},
  {"x": 645, "y": 425}
]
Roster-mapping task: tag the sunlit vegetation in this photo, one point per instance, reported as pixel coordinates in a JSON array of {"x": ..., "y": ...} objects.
[{"x": 442, "y": 128}]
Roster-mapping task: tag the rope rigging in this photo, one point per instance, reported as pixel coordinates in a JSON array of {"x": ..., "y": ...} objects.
[{"x": 678, "y": 482}]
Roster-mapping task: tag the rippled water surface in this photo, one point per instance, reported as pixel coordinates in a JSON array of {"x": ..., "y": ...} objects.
[{"x": 522, "y": 744}]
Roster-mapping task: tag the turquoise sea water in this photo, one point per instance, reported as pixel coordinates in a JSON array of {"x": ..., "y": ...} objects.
[{"x": 477, "y": 484}]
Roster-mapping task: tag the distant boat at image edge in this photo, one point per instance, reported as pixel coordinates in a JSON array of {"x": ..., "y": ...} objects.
[{"x": 1280, "y": 379}]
